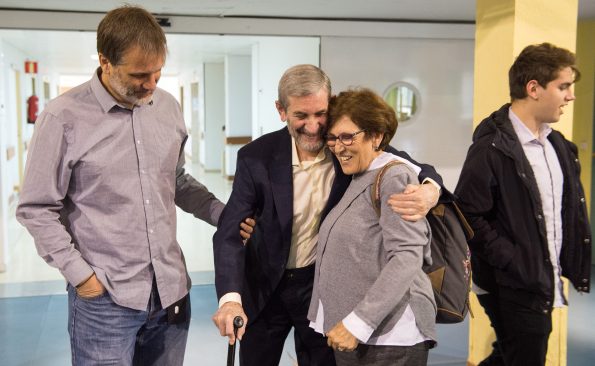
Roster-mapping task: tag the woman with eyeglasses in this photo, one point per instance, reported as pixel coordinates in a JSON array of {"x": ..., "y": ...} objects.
[{"x": 371, "y": 297}]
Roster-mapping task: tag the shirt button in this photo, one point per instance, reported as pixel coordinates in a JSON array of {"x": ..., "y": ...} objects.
[
  {"x": 142, "y": 171},
  {"x": 539, "y": 217},
  {"x": 587, "y": 241},
  {"x": 138, "y": 142},
  {"x": 151, "y": 231},
  {"x": 545, "y": 311},
  {"x": 582, "y": 199},
  {"x": 147, "y": 201}
]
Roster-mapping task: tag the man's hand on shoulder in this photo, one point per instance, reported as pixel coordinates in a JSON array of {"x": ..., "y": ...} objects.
[
  {"x": 224, "y": 317},
  {"x": 415, "y": 201}
]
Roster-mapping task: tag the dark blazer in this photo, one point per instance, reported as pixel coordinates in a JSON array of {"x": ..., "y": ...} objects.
[{"x": 263, "y": 188}]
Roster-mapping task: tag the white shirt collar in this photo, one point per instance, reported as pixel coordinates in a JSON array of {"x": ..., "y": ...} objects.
[
  {"x": 295, "y": 158},
  {"x": 524, "y": 134}
]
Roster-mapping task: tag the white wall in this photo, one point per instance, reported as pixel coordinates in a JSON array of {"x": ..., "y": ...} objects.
[
  {"x": 11, "y": 59},
  {"x": 193, "y": 110},
  {"x": 187, "y": 112},
  {"x": 442, "y": 71},
  {"x": 270, "y": 58},
  {"x": 3, "y": 172},
  {"x": 238, "y": 87},
  {"x": 214, "y": 92},
  {"x": 238, "y": 105},
  {"x": 12, "y": 62}
]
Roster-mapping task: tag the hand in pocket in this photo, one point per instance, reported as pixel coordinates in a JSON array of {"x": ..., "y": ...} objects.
[{"x": 90, "y": 288}]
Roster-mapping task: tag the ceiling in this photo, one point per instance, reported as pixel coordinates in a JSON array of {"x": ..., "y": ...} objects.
[
  {"x": 429, "y": 10},
  {"x": 56, "y": 49},
  {"x": 370, "y": 9}
]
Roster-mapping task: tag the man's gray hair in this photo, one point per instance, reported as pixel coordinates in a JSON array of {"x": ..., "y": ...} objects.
[{"x": 301, "y": 81}]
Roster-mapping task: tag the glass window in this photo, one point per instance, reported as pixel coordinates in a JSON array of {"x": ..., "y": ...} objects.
[{"x": 404, "y": 98}]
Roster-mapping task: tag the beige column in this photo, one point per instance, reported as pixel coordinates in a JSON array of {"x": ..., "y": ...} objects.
[
  {"x": 503, "y": 29},
  {"x": 583, "y": 106}
]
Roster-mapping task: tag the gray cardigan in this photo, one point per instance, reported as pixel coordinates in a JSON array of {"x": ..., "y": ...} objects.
[{"x": 371, "y": 265}]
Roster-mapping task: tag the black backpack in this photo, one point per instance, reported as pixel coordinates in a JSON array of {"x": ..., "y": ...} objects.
[{"x": 450, "y": 272}]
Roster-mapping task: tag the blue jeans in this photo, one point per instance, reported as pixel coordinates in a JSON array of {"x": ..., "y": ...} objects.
[{"x": 105, "y": 333}]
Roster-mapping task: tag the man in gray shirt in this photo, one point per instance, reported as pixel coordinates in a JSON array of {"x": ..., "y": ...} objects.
[{"x": 103, "y": 177}]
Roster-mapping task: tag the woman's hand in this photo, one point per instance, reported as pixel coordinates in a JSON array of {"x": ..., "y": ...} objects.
[{"x": 340, "y": 339}]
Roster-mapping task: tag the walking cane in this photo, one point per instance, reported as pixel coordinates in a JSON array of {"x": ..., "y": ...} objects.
[{"x": 238, "y": 322}]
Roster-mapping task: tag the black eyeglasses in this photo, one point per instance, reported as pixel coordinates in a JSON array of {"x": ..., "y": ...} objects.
[{"x": 345, "y": 138}]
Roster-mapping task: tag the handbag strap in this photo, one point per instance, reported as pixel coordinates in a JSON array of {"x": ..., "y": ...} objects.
[{"x": 375, "y": 192}]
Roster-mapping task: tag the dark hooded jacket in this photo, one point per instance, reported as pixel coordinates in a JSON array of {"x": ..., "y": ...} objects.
[{"x": 499, "y": 195}]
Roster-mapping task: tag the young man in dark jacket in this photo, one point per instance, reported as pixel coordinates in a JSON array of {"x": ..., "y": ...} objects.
[{"x": 520, "y": 190}]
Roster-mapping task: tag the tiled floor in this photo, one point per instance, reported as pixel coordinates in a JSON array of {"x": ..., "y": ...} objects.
[{"x": 33, "y": 306}]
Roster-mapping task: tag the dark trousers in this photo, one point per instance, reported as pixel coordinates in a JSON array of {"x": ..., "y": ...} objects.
[
  {"x": 365, "y": 355},
  {"x": 489, "y": 302},
  {"x": 522, "y": 333},
  {"x": 262, "y": 344}
]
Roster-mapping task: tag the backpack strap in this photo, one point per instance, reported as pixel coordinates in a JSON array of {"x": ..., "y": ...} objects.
[
  {"x": 439, "y": 211},
  {"x": 375, "y": 192},
  {"x": 466, "y": 227}
]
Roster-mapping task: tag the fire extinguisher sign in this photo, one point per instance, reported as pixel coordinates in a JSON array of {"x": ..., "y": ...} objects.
[{"x": 31, "y": 67}]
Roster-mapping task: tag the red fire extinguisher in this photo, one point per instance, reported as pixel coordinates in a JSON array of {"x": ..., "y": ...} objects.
[{"x": 32, "y": 108}]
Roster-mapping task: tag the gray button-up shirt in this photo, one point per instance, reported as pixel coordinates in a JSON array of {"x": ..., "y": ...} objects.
[
  {"x": 550, "y": 181},
  {"x": 99, "y": 192}
]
